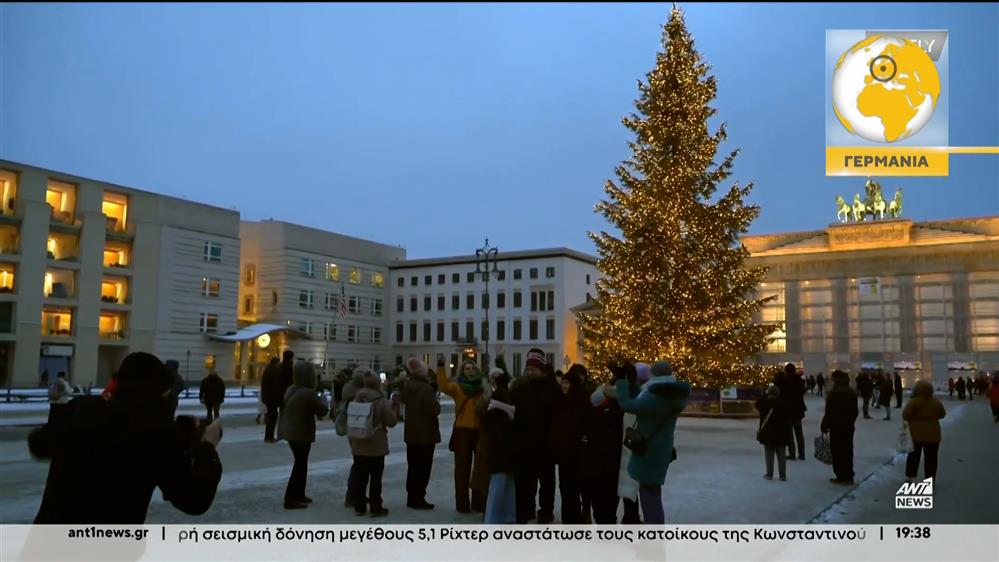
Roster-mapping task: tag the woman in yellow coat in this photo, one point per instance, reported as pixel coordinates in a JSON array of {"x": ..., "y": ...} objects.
[{"x": 469, "y": 387}]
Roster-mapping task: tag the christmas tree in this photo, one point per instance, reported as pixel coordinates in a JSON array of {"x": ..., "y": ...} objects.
[{"x": 675, "y": 285}]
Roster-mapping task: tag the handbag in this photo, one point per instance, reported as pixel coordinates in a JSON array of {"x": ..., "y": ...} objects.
[
  {"x": 638, "y": 443},
  {"x": 904, "y": 442},
  {"x": 759, "y": 432},
  {"x": 823, "y": 451},
  {"x": 454, "y": 430}
]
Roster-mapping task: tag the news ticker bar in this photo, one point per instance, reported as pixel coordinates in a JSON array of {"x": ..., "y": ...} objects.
[
  {"x": 896, "y": 161},
  {"x": 156, "y": 543}
]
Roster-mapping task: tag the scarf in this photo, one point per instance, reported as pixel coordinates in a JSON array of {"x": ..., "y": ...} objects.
[{"x": 470, "y": 386}]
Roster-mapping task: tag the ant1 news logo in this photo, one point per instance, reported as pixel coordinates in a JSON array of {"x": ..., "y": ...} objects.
[{"x": 915, "y": 495}]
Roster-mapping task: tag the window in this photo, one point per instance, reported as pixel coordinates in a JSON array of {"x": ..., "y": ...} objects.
[
  {"x": 440, "y": 279},
  {"x": 377, "y": 280},
  {"x": 376, "y": 307},
  {"x": 455, "y": 278},
  {"x": 516, "y": 274},
  {"x": 353, "y": 305},
  {"x": 485, "y": 330},
  {"x": 332, "y": 272},
  {"x": 329, "y": 301},
  {"x": 485, "y": 301},
  {"x": 428, "y": 279},
  {"x": 534, "y": 301},
  {"x": 209, "y": 322},
  {"x": 376, "y": 335},
  {"x": 500, "y": 330},
  {"x": 305, "y": 327},
  {"x": 305, "y": 299},
  {"x": 426, "y": 303},
  {"x": 412, "y": 304},
  {"x": 426, "y": 331},
  {"x": 355, "y": 276},
  {"x": 440, "y": 331},
  {"x": 250, "y": 275},
  {"x": 551, "y": 300},
  {"x": 307, "y": 268},
  {"x": 210, "y": 287},
  {"x": 516, "y": 330},
  {"x": 542, "y": 301},
  {"x": 516, "y": 299},
  {"x": 534, "y": 273},
  {"x": 532, "y": 330},
  {"x": 412, "y": 331},
  {"x": 248, "y": 304},
  {"x": 471, "y": 277},
  {"x": 517, "y": 361},
  {"x": 549, "y": 272},
  {"x": 455, "y": 302},
  {"x": 352, "y": 334},
  {"x": 398, "y": 332},
  {"x": 454, "y": 331},
  {"x": 469, "y": 301},
  {"x": 587, "y": 278},
  {"x": 400, "y": 282},
  {"x": 550, "y": 329},
  {"x": 501, "y": 300},
  {"x": 469, "y": 330},
  {"x": 413, "y": 281},
  {"x": 589, "y": 297},
  {"x": 502, "y": 275},
  {"x": 213, "y": 252},
  {"x": 400, "y": 304},
  {"x": 440, "y": 302},
  {"x": 274, "y": 297}
]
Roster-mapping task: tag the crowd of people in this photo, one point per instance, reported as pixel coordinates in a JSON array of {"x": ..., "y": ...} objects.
[{"x": 514, "y": 439}]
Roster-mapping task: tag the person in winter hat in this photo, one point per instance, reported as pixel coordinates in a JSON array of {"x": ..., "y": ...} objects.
[
  {"x": 211, "y": 393},
  {"x": 570, "y": 423},
  {"x": 534, "y": 395},
  {"x": 466, "y": 390},
  {"x": 497, "y": 424},
  {"x": 792, "y": 397},
  {"x": 302, "y": 405},
  {"x": 657, "y": 408},
  {"x": 421, "y": 431},
  {"x": 349, "y": 392},
  {"x": 271, "y": 394},
  {"x": 774, "y": 432},
  {"x": 369, "y": 453}
]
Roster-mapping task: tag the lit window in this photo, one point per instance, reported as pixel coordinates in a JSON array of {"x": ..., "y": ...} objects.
[
  {"x": 377, "y": 280},
  {"x": 112, "y": 326},
  {"x": 210, "y": 287},
  {"x": 250, "y": 275},
  {"x": 115, "y": 257},
  {"x": 115, "y": 207},
  {"x": 355, "y": 276},
  {"x": 113, "y": 291},
  {"x": 332, "y": 272},
  {"x": 213, "y": 252},
  {"x": 7, "y": 279},
  {"x": 58, "y": 322},
  {"x": 209, "y": 323}
]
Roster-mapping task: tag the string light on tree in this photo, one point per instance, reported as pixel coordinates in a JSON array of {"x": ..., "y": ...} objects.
[{"x": 675, "y": 284}]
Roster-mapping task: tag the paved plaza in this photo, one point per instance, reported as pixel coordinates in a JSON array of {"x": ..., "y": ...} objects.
[{"x": 717, "y": 478}]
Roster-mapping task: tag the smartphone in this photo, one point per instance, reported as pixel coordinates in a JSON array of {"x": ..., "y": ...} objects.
[{"x": 382, "y": 376}]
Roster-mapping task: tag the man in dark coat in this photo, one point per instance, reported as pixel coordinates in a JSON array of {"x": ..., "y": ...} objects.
[
  {"x": 602, "y": 455},
  {"x": 177, "y": 386},
  {"x": 839, "y": 421},
  {"x": 272, "y": 395},
  {"x": 570, "y": 423},
  {"x": 792, "y": 398},
  {"x": 212, "y": 394},
  {"x": 820, "y": 383},
  {"x": 884, "y": 397},
  {"x": 865, "y": 387},
  {"x": 534, "y": 396},
  {"x": 898, "y": 391},
  {"x": 108, "y": 456},
  {"x": 774, "y": 433},
  {"x": 421, "y": 431},
  {"x": 287, "y": 370}
]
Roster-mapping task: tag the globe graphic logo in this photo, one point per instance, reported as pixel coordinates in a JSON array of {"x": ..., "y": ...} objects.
[{"x": 885, "y": 88}]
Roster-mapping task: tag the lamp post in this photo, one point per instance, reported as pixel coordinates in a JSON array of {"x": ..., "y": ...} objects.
[{"x": 484, "y": 257}]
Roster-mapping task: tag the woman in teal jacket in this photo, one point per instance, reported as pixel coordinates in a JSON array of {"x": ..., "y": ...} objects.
[{"x": 656, "y": 408}]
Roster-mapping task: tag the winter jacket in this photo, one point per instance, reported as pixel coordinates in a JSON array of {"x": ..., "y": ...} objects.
[
  {"x": 602, "y": 449},
  {"x": 271, "y": 392},
  {"x": 464, "y": 405},
  {"x": 422, "y": 426},
  {"x": 212, "y": 390},
  {"x": 777, "y": 430},
  {"x": 886, "y": 392},
  {"x": 570, "y": 423},
  {"x": 656, "y": 407},
  {"x": 384, "y": 418},
  {"x": 792, "y": 396},
  {"x": 924, "y": 412},
  {"x": 841, "y": 407},
  {"x": 287, "y": 369},
  {"x": 898, "y": 385},
  {"x": 302, "y": 405},
  {"x": 535, "y": 403},
  {"x": 497, "y": 424},
  {"x": 994, "y": 394},
  {"x": 136, "y": 450},
  {"x": 865, "y": 386}
]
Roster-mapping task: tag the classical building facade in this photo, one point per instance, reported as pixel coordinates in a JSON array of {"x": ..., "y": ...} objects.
[
  {"x": 90, "y": 271},
  {"x": 439, "y": 307},
  {"x": 920, "y": 298}
]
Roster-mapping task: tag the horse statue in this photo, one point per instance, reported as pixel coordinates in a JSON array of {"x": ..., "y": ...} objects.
[
  {"x": 872, "y": 193},
  {"x": 878, "y": 209},
  {"x": 858, "y": 208},
  {"x": 895, "y": 207},
  {"x": 843, "y": 210}
]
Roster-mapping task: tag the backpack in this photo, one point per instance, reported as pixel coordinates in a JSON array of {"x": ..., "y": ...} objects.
[{"x": 361, "y": 420}]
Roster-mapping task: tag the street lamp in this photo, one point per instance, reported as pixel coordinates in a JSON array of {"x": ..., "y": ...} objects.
[{"x": 484, "y": 257}]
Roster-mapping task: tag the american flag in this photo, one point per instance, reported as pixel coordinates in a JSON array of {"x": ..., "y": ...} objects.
[{"x": 342, "y": 305}]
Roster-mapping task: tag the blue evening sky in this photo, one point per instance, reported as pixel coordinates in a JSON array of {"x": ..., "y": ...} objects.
[{"x": 433, "y": 126}]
